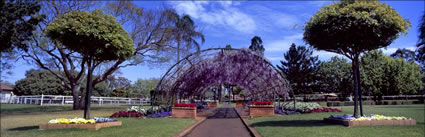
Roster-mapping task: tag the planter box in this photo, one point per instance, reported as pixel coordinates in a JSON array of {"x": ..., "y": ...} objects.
[
  {"x": 260, "y": 111},
  {"x": 240, "y": 104},
  {"x": 350, "y": 123},
  {"x": 95, "y": 126},
  {"x": 183, "y": 112},
  {"x": 212, "y": 104}
]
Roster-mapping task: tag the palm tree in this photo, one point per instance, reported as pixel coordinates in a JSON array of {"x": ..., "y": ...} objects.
[{"x": 185, "y": 33}]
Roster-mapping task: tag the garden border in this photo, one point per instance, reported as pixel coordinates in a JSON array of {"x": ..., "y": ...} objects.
[
  {"x": 95, "y": 126},
  {"x": 251, "y": 129},
  {"x": 187, "y": 130},
  {"x": 261, "y": 111},
  {"x": 183, "y": 112},
  {"x": 350, "y": 123}
]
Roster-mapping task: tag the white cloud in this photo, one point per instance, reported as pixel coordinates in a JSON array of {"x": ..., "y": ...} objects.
[
  {"x": 388, "y": 51},
  {"x": 274, "y": 58},
  {"x": 271, "y": 19},
  {"x": 320, "y": 3},
  {"x": 220, "y": 14},
  {"x": 283, "y": 44},
  {"x": 324, "y": 55}
]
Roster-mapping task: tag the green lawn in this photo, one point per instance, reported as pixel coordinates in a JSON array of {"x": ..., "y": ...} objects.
[
  {"x": 23, "y": 121},
  {"x": 311, "y": 125}
]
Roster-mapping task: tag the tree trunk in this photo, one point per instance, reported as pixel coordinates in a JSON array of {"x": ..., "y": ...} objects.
[
  {"x": 360, "y": 89},
  {"x": 75, "y": 97},
  {"x": 354, "y": 67},
  {"x": 219, "y": 93},
  {"x": 178, "y": 56},
  {"x": 89, "y": 87}
]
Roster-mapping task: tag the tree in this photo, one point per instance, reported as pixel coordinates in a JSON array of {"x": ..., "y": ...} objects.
[
  {"x": 421, "y": 42},
  {"x": 335, "y": 76},
  {"x": 420, "y": 48},
  {"x": 149, "y": 29},
  {"x": 352, "y": 27},
  {"x": 236, "y": 90},
  {"x": 18, "y": 20},
  {"x": 142, "y": 87},
  {"x": 257, "y": 45},
  {"x": 96, "y": 36},
  {"x": 37, "y": 82},
  {"x": 404, "y": 53},
  {"x": 185, "y": 33},
  {"x": 119, "y": 82},
  {"x": 120, "y": 92},
  {"x": 389, "y": 76},
  {"x": 300, "y": 67}
]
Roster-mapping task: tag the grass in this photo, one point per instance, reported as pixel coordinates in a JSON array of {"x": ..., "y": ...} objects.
[
  {"x": 23, "y": 120},
  {"x": 311, "y": 125}
]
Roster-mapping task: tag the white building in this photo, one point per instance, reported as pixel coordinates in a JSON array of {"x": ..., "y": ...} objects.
[{"x": 6, "y": 93}]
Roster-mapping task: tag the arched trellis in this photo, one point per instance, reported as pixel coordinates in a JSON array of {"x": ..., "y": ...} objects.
[{"x": 195, "y": 72}]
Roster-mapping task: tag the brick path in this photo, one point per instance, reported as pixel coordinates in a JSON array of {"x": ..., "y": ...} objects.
[{"x": 224, "y": 123}]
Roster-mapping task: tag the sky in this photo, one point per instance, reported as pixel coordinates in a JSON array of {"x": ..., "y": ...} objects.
[{"x": 278, "y": 23}]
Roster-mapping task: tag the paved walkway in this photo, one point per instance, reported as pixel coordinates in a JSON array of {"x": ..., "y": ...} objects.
[{"x": 224, "y": 123}]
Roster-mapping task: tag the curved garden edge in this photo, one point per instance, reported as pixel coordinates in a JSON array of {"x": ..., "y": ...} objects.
[
  {"x": 200, "y": 118},
  {"x": 191, "y": 127},
  {"x": 251, "y": 129}
]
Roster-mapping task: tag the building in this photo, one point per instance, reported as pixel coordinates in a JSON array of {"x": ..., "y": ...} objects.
[{"x": 6, "y": 93}]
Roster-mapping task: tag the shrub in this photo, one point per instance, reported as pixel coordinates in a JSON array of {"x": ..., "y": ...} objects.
[
  {"x": 302, "y": 106},
  {"x": 127, "y": 114},
  {"x": 160, "y": 114},
  {"x": 324, "y": 109},
  {"x": 184, "y": 105},
  {"x": 260, "y": 103},
  {"x": 140, "y": 109}
]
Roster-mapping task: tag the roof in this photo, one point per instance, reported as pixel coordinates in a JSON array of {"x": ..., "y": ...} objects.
[{"x": 5, "y": 87}]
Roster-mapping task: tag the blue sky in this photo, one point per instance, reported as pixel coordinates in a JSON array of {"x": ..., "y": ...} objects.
[{"x": 278, "y": 23}]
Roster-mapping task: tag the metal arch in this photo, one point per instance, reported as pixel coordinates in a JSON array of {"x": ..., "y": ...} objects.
[{"x": 220, "y": 49}]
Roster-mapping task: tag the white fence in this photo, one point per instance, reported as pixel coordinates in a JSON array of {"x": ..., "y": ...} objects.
[{"x": 62, "y": 100}]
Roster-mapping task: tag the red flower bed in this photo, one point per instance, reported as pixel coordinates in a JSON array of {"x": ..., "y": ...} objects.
[
  {"x": 324, "y": 109},
  {"x": 261, "y": 102},
  {"x": 184, "y": 105},
  {"x": 127, "y": 114}
]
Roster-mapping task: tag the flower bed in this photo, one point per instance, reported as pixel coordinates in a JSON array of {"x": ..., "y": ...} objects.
[
  {"x": 285, "y": 112},
  {"x": 183, "y": 111},
  {"x": 260, "y": 103},
  {"x": 240, "y": 104},
  {"x": 81, "y": 123},
  {"x": 160, "y": 114},
  {"x": 302, "y": 106},
  {"x": 371, "y": 120},
  {"x": 184, "y": 105},
  {"x": 127, "y": 114},
  {"x": 323, "y": 109},
  {"x": 71, "y": 121},
  {"x": 212, "y": 104},
  {"x": 261, "y": 108}
]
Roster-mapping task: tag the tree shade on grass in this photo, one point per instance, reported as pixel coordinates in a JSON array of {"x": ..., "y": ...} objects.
[
  {"x": 23, "y": 120},
  {"x": 351, "y": 27}
]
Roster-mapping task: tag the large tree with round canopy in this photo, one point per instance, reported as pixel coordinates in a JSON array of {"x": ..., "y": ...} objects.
[
  {"x": 352, "y": 27},
  {"x": 94, "y": 35}
]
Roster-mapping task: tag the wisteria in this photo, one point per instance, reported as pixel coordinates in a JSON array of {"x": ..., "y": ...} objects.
[{"x": 224, "y": 66}]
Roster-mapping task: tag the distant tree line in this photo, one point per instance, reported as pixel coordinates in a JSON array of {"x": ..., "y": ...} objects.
[
  {"x": 37, "y": 82},
  {"x": 381, "y": 75}
]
